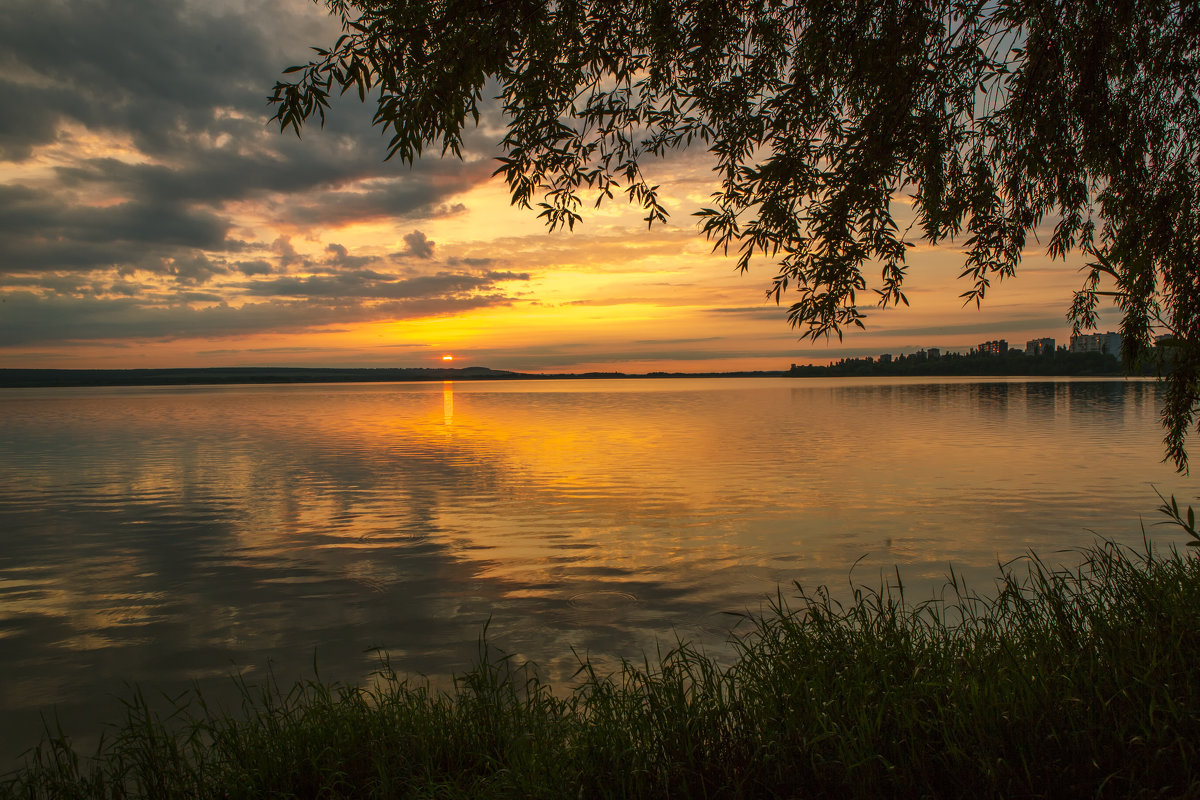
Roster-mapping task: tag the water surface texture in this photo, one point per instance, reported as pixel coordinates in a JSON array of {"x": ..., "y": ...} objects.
[{"x": 172, "y": 536}]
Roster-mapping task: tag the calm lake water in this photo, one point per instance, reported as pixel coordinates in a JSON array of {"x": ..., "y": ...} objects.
[{"x": 171, "y": 536}]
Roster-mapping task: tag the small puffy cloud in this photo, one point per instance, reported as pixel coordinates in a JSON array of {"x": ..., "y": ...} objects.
[
  {"x": 418, "y": 245},
  {"x": 340, "y": 258},
  {"x": 286, "y": 252}
]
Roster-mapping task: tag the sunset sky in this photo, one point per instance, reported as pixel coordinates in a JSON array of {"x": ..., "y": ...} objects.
[{"x": 151, "y": 216}]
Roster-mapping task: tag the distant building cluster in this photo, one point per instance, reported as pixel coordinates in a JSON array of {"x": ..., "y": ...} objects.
[
  {"x": 931, "y": 354},
  {"x": 1097, "y": 343},
  {"x": 1039, "y": 347},
  {"x": 1109, "y": 343},
  {"x": 996, "y": 347}
]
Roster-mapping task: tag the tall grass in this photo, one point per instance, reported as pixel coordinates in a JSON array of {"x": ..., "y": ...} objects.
[{"x": 1056, "y": 683}]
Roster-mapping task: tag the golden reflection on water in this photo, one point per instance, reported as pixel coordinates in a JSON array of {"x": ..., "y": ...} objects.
[
  {"x": 535, "y": 483},
  {"x": 155, "y": 534},
  {"x": 528, "y": 475}
]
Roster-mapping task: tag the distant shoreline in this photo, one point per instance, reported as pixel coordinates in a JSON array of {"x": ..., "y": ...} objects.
[{"x": 218, "y": 376}]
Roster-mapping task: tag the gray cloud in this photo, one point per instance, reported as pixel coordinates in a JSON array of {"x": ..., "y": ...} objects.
[
  {"x": 41, "y": 231},
  {"x": 124, "y": 288},
  {"x": 286, "y": 252},
  {"x": 470, "y": 262},
  {"x": 28, "y": 319},
  {"x": 418, "y": 245},
  {"x": 751, "y": 312},
  {"x": 251, "y": 268},
  {"x": 194, "y": 269},
  {"x": 77, "y": 306},
  {"x": 184, "y": 83},
  {"x": 156, "y": 71},
  {"x": 373, "y": 284},
  {"x": 341, "y": 258},
  {"x": 413, "y": 196}
]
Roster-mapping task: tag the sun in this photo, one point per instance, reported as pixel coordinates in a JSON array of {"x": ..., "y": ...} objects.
[{"x": 447, "y": 358}]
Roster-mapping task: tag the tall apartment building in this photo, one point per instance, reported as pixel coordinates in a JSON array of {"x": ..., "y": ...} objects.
[
  {"x": 1097, "y": 343},
  {"x": 1039, "y": 347},
  {"x": 997, "y": 347}
]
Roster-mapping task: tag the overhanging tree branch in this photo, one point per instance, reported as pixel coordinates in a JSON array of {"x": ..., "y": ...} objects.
[{"x": 994, "y": 116}]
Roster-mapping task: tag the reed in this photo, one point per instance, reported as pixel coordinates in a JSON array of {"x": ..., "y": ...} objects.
[{"x": 1055, "y": 682}]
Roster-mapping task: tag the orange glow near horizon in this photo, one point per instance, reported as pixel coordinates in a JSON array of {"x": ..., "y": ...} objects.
[{"x": 609, "y": 296}]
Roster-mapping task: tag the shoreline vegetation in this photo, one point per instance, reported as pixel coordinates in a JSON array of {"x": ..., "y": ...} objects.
[
  {"x": 1061, "y": 364},
  {"x": 1057, "y": 364},
  {"x": 1057, "y": 682}
]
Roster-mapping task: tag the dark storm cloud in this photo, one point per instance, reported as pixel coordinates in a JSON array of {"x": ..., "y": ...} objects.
[
  {"x": 202, "y": 173},
  {"x": 34, "y": 118},
  {"x": 143, "y": 241},
  {"x": 400, "y": 198},
  {"x": 153, "y": 70},
  {"x": 38, "y": 231},
  {"x": 185, "y": 84},
  {"x": 321, "y": 182},
  {"x": 166, "y": 209}
]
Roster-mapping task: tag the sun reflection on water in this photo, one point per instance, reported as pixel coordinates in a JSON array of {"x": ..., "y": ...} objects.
[{"x": 170, "y": 534}]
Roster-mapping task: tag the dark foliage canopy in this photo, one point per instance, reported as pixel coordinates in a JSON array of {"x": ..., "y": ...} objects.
[{"x": 1001, "y": 124}]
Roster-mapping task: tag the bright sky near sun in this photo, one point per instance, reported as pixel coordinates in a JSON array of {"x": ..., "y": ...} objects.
[{"x": 150, "y": 217}]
